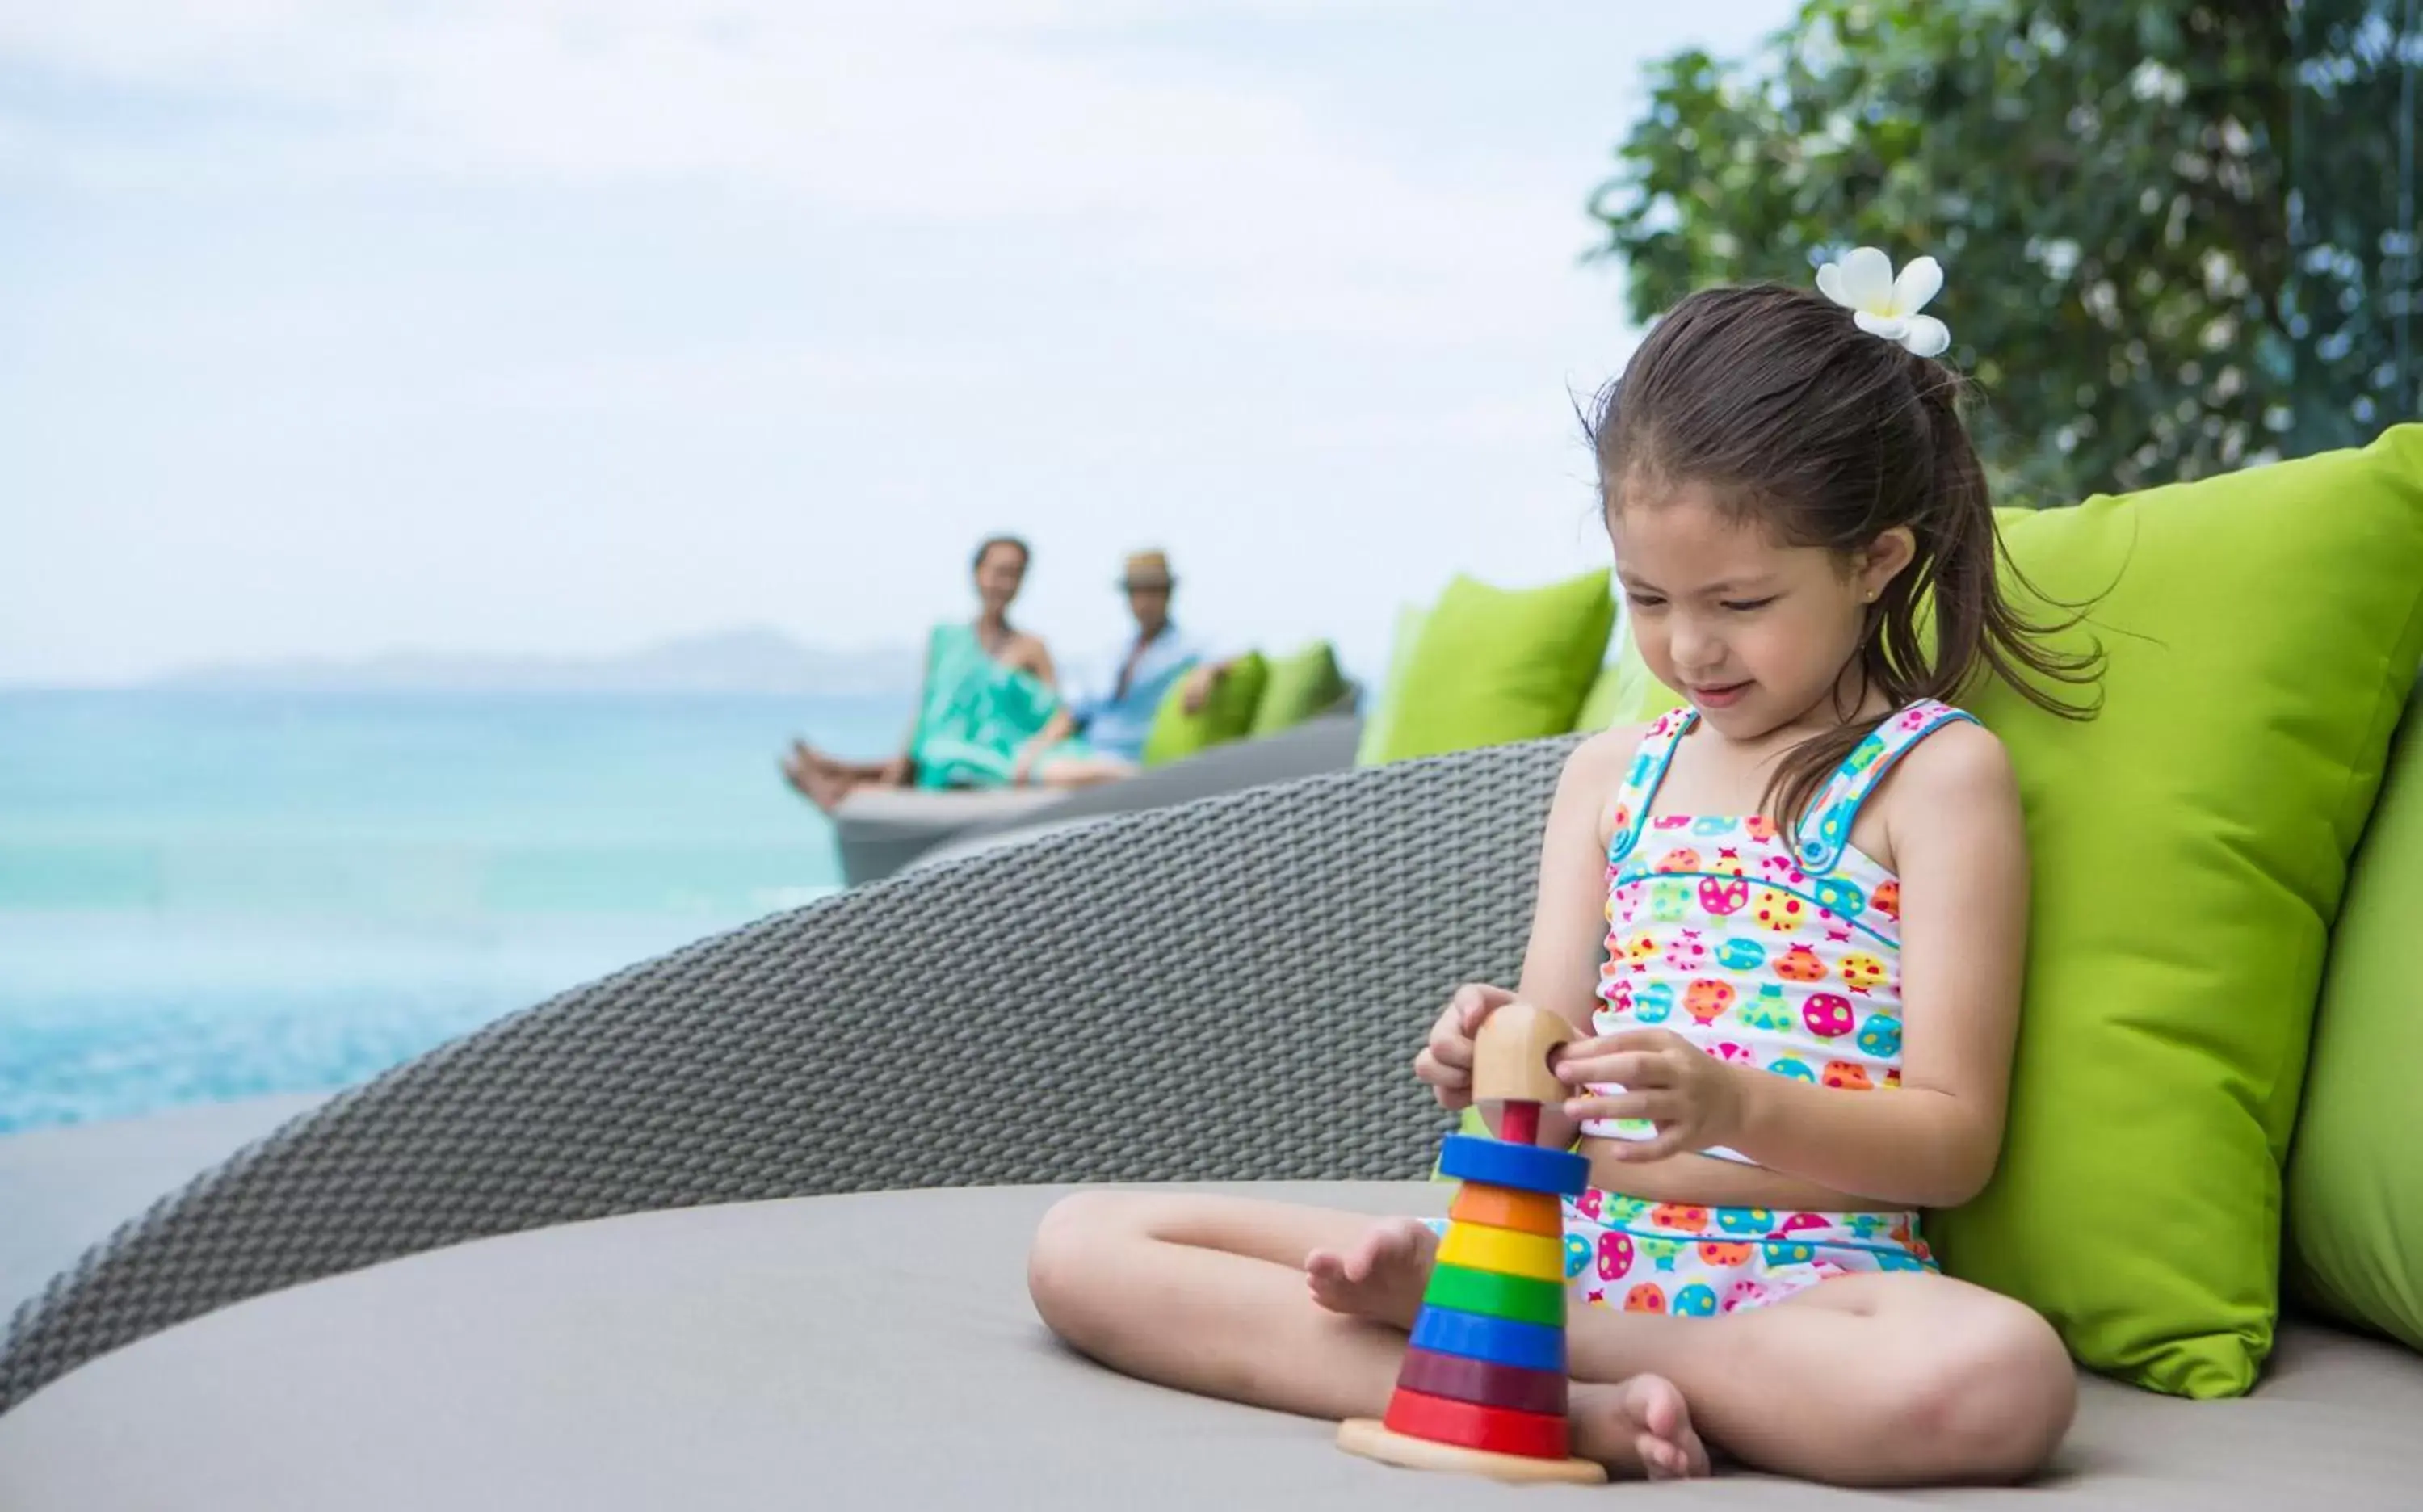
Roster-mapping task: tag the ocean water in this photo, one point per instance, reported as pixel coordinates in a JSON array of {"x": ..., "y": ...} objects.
[{"x": 208, "y": 896}]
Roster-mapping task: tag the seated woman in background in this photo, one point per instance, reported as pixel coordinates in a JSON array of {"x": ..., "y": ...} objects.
[{"x": 986, "y": 689}]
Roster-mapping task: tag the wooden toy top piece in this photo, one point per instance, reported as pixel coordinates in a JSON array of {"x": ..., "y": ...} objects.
[{"x": 1510, "y": 1056}]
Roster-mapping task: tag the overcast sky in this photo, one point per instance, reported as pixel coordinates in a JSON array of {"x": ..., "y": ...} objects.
[{"x": 332, "y": 327}]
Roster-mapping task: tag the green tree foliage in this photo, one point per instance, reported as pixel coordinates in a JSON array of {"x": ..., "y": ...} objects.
[{"x": 2176, "y": 237}]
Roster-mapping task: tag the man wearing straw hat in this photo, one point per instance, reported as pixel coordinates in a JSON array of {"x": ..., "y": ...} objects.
[{"x": 1098, "y": 734}]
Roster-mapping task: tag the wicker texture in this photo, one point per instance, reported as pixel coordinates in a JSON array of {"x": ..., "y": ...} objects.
[{"x": 1230, "y": 989}]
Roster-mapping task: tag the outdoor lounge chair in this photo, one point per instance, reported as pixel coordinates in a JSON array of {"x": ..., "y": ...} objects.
[
  {"x": 881, "y": 830},
  {"x": 1227, "y": 990}
]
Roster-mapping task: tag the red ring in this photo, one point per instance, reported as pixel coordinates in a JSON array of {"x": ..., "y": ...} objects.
[{"x": 1491, "y": 1429}]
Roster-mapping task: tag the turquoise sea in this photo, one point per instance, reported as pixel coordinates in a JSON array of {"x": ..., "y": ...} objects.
[{"x": 207, "y": 896}]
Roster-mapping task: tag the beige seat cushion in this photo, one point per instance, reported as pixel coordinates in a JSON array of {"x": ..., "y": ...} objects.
[
  {"x": 927, "y": 808},
  {"x": 880, "y": 1351}
]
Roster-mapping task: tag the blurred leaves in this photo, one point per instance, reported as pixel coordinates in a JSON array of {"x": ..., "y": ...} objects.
[{"x": 2176, "y": 238}]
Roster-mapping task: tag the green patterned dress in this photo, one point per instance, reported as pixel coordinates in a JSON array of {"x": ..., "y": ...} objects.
[{"x": 977, "y": 714}]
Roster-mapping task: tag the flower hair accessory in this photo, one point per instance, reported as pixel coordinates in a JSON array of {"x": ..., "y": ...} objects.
[{"x": 1863, "y": 283}]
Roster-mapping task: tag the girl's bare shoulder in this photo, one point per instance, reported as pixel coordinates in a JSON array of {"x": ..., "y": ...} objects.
[
  {"x": 1959, "y": 779},
  {"x": 1597, "y": 766},
  {"x": 1608, "y": 752},
  {"x": 1961, "y": 761}
]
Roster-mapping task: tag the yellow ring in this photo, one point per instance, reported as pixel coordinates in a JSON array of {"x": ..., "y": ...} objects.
[{"x": 1479, "y": 1247}]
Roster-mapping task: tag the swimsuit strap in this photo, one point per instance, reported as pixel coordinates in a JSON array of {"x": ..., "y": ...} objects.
[
  {"x": 1650, "y": 761},
  {"x": 1825, "y": 831}
]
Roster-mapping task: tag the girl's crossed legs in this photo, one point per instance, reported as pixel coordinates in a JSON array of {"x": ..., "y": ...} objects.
[{"x": 1902, "y": 1378}]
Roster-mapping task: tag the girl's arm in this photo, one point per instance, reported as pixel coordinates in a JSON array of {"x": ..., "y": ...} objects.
[
  {"x": 1569, "y": 918},
  {"x": 1960, "y": 848}
]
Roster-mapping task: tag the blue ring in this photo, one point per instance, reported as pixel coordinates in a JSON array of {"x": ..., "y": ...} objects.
[
  {"x": 1526, "y": 1168},
  {"x": 1500, "y": 1341}
]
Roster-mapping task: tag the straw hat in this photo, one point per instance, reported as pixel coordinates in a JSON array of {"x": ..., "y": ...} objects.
[{"x": 1147, "y": 569}]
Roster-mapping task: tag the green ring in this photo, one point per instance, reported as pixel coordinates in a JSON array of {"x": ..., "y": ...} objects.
[{"x": 1515, "y": 1299}]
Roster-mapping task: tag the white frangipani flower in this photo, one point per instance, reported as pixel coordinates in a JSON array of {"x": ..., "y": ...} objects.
[{"x": 1885, "y": 306}]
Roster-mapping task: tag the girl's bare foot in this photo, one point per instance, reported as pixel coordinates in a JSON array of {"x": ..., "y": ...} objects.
[
  {"x": 1639, "y": 1426},
  {"x": 1381, "y": 1276}
]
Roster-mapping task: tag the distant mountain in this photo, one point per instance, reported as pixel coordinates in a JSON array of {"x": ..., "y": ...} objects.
[{"x": 752, "y": 660}]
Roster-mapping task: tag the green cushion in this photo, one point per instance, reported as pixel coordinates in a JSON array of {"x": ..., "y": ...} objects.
[
  {"x": 1227, "y": 715},
  {"x": 1300, "y": 687},
  {"x": 1605, "y": 697},
  {"x": 1645, "y": 698},
  {"x": 2189, "y": 848},
  {"x": 1492, "y": 665},
  {"x": 1380, "y": 720},
  {"x": 2355, "y": 1172},
  {"x": 1627, "y": 692}
]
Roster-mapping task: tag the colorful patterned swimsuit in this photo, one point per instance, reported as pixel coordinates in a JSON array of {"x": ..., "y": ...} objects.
[{"x": 1779, "y": 952}]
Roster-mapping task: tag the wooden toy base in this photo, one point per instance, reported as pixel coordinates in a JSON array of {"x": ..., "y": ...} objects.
[{"x": 1372, "y": 1439}]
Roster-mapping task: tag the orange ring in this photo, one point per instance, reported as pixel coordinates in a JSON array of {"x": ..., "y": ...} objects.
[{"x": 1502, "y": 1207}]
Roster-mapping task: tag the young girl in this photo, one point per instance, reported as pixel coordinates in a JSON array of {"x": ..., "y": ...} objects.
[{"x": 1810, "y": 884}]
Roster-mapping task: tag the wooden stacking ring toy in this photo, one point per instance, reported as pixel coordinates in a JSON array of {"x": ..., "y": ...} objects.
[{"x": 1483, "y": 1389}]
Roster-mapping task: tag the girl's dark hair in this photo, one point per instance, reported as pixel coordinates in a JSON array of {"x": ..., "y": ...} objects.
[
  {"x": 1829, "y": 437},
  {"x": 984, "y": 548}
]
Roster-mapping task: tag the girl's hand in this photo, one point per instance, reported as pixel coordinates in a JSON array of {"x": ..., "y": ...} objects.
[
  {"x": 1446, "y": 1058},
  {"x": 1693, "y": 1098}
]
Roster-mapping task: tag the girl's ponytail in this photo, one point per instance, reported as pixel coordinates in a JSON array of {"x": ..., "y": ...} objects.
[{"x": 1976, "y": 627}]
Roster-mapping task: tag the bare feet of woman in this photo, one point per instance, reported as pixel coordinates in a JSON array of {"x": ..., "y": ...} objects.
[
  {"x": 798, "y": 777},
  {"x": 798, "y": 762},
  {"x": 815, "y": 777},
  {"x": 1639, "y": 1426},
  {"x": 1380, "y": 1276}
]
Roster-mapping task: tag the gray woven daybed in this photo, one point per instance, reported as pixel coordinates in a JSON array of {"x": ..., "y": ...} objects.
[
  {"x": 554, "y": 1315},
  {"x": 1325, "y": 744},
  {"x": 879, "y": 832}
]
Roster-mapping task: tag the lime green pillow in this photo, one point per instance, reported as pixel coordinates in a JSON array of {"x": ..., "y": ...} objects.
[
  {"x": 1494, "y": 665},
  {"x": 2190, "y": 847},
  {"x": 1380, "y": 720},
  {"x": 2355, "y": 1172},
  {"x": 1227, "y": 715},
  {"x": 1607, "y": 694},
  {"x": 1300, "y": 687},
  {"x": 1627, "y": 693},
  {"x": 1645, "y": 697}
]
